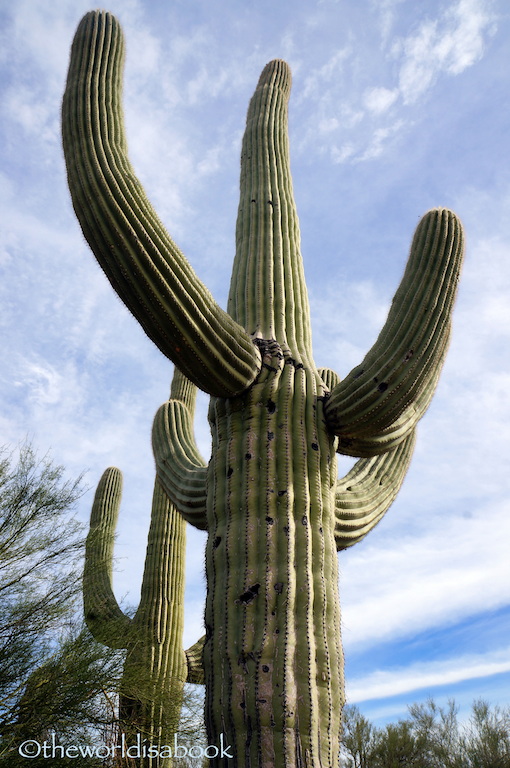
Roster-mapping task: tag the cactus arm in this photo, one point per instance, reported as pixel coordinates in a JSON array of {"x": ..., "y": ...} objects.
[
  {"x": 156, "y": 667},
  {"x": 194, "y": 662},
  {"x": 397, "y": 377},
  {"x": 143, "y": 264},
  {"x": 365, "y": 494},
  {"x": 104, "y": 618},
  {"x": 180, "y": 468},
  {"x": 268, "y": 294},
  {"x": 329, "y": 377}
]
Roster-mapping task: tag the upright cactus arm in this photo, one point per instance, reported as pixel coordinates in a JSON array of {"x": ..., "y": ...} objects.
[
  {"x": 104, "y": 618},
  {"x": 179, "y": 466},
  {"x": 268, "y": 294},
  {"x": 365, "y": 494},
  {"x": 141, "y": 261},
  {"x": 392, "y": 387}
]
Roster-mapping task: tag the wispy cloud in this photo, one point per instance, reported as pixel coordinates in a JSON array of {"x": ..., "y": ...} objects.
[
  {"x": 449, "y": 44},
  {"x": 383, "y": 684}
]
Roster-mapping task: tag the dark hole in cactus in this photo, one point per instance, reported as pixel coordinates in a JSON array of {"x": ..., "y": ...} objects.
[
  {"x": 216, "y": 542},
  {"x": 315, "y": 447},
  {"x": 247, "y": 456},
  {"x": 250, "y": 594},
  {"x": 265, "y": 668},
  {"x": 282, "y": 493},
  {"x": 278, "y": 587},
  {"x": 270, "y": 435},
  {"x": 253, "y": 200},
  {"x": 383, "y": 386},
  {"x": 229, "y": 472},
  {"x": 409, "y": 355},
  {"x": 304, "y": 520},
  {"x": 271, "y": 407},
  {"x": 269, "y": 520}
]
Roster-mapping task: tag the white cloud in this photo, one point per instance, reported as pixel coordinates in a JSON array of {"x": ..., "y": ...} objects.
[
  {"x": 455, "y": 567},
  {"x": 392, "y": 682},
  {"x": 379, "y": 100},
  {"x": 449, "y": 44}
]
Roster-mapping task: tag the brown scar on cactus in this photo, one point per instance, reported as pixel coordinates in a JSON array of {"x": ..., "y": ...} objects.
[{"x": 258, "y": 352}]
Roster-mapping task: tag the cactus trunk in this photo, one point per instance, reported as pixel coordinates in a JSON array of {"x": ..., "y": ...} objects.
[{"x": 273, "y": 658}]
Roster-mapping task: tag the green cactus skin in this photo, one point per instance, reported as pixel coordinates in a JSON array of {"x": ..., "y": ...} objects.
[
  {"x": 269, "y": 498},
  {"x": 156, "y": 665}
]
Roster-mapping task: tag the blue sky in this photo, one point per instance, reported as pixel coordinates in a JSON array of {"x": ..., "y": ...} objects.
[{"x": 396, "y": 107}]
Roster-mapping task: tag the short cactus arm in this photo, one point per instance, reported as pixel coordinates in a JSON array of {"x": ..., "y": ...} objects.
[
  {"x": 365, "y": 494},
  {"x": 179, "y": 466},
  {"x": 393, "y": 386},
  {"x": 104, "y": 618},
  {"x": 194, "y": 660},
  {"x": 143, "y": 264}
]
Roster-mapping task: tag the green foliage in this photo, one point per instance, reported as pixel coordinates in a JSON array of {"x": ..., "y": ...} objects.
[
  {"x": 40, "y": 546},
  {"x": 431, "y": 737},
  {"x": 52, "y": 674}
]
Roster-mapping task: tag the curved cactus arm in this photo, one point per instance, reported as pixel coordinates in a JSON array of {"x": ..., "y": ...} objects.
[
  {"x": 179, "y": 466},
  {"x": 394, "y": 380},
  {"x": 365, "y": 494},
  {"x": 104, "y": 618},
  {"x": 194, "y": 659},
  {"x": 141, "y": 261},
  {"x": 390, "y": 437}
]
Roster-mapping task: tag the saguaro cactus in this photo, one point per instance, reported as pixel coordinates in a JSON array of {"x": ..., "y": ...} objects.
[
  {"x": 156, "y": 665},
  {"x": 269, "y": 497}
]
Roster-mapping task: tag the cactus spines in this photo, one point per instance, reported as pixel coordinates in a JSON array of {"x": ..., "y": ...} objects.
[{"x": 269, "y": 498}]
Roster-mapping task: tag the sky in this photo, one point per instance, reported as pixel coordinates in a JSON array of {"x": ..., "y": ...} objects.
[{"x": 396, "y": 107}]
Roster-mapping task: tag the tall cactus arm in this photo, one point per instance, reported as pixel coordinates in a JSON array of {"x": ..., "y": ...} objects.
[
  {"x": 268, "y": 294},
  {"x": 395, "y": 379},
  {"x": 179, "y": 466},
  {"x": 104, "y": 618},
  {"x": 141, "y": 261},
  {"x": 365, "y": 494}
]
